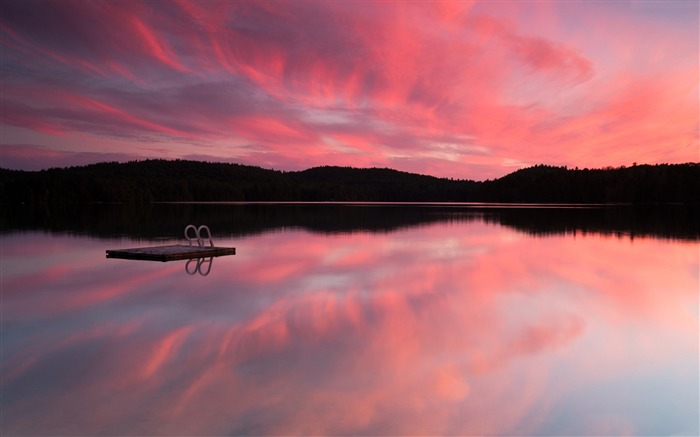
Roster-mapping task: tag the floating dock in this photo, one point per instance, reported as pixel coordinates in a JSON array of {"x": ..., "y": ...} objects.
[{"x": 170, "y": 253}]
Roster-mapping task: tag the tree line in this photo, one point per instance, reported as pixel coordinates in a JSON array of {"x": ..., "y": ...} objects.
[{"x": 187, "y": 181}]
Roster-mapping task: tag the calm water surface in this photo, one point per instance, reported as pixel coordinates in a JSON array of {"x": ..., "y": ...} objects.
[{"x": 374, "y": 321}]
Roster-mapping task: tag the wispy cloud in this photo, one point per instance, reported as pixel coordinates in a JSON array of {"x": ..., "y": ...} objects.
[{"x": 451, "y": 88}]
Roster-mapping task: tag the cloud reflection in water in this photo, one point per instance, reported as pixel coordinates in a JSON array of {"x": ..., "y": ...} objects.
[{"x": 459, "y": 328}]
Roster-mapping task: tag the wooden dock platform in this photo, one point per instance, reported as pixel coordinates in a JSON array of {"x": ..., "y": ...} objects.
[{"x": 170, "y": 253}]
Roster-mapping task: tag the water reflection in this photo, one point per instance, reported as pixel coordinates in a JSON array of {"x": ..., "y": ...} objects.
[
  {"x": 449, "y": 328},
  {"x": 201, "y": 266},
  {"x": 155, "y": 222}
]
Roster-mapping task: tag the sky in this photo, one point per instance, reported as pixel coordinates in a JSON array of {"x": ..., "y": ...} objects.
[{"x": 468, "y": 90}]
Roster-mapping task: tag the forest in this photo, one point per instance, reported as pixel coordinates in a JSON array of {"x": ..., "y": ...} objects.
[{"x": 158, "y": 180}]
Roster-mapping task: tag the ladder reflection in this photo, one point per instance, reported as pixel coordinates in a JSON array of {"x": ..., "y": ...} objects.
[{"x": 199, "y": 265}]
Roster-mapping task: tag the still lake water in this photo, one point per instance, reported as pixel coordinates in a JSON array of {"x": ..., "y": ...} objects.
[{"x": 353, "y": 320}]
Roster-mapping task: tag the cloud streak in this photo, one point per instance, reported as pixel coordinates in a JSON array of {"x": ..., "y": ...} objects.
[{"x": 455, "y": 89}]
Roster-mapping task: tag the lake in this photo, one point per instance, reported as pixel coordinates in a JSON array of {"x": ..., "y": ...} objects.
[{"x": 353, "y": 319}]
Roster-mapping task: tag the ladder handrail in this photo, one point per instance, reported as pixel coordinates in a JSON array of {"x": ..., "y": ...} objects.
[
  {"x": 201, "y": 238},
  {"x": 198, "y": 235}
]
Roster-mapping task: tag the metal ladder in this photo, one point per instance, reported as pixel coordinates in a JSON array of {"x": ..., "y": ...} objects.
[{"x": 201, "y": 239}]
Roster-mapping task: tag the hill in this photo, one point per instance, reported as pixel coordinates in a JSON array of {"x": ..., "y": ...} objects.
[{"x": 181, "y": 181}]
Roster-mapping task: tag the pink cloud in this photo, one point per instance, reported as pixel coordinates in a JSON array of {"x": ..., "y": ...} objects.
[{"x": 331, "y": 83}]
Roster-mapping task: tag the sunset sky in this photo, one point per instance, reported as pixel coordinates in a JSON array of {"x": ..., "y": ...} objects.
[{"x": 453, "y": 89}]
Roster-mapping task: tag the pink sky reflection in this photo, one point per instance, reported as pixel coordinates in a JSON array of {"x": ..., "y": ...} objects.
[
  {"x": 462, "y": 329},
  {"x": 453, "y": 89}
]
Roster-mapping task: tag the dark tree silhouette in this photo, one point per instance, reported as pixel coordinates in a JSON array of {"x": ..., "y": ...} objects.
[{"x": 181, "y": 181}]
